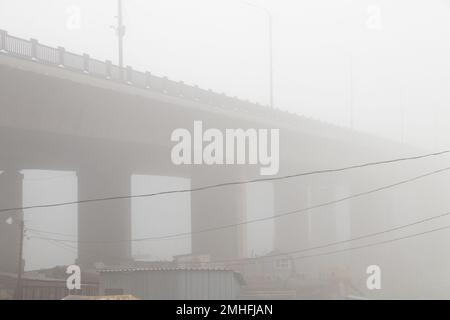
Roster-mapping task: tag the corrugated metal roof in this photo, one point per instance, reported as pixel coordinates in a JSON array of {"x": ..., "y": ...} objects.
[
  {"x": 134, "y": 269},
  {"x": 115, "y": 297},
  {"x": 238, "y": 275},
  {"x": 26, "y": 276}
]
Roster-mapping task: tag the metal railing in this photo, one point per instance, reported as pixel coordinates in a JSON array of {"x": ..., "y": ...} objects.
[{"x": 59, "y": 57}]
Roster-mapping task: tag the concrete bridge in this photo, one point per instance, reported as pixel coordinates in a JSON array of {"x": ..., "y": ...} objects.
[{"x": 63, "y": 111}]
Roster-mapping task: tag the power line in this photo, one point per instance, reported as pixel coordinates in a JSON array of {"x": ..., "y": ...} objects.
[
  {"x": 63, "y": 246},
  {"x": 375, "y": 243},
  {"x": 303, "y": 210},
  {"x": 374, "y": 234},
  {"x": 224, "y": 184},
  {"x": 56, "y": 177},
  {"x": 72, "y": 249},
  {"x": 252, "y": 260},
  {"x": 52, "y": 233}
]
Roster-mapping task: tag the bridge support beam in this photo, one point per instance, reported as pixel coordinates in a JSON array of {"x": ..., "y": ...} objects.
[
  {"x": 104, "y": 227},
  {"x": 213, "y": 208},
  {"x": 291, "y": 231},
  {"x": 11, "y": 193}
]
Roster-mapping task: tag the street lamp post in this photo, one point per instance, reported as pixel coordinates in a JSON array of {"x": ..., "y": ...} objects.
[
  {"x": 120, "y": 35},
  {"x": 352, "y": 107},
  {"x": 271, "y": 58},
  {"x": 270, "y": 27}
]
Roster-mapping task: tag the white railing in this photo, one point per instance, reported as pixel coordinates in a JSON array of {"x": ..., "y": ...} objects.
[{"x": 59, "y": 57}]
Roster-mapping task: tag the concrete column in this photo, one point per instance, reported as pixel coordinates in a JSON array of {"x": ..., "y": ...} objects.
[
  {"x": 374, "y": 213},
  {"x": 217, "y": 207},
  {"x": 323, "y": 220},
  {"x": 104, "y": 228},
  {"x": 11, "y": 192},
  {"x": 291, "y": 231}
]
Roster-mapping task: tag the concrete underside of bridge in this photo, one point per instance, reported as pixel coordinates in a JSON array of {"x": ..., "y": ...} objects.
[{"x": 51, "y": 119}]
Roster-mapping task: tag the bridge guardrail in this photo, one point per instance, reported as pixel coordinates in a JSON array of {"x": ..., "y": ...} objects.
[{"x": 59, "y": 57}]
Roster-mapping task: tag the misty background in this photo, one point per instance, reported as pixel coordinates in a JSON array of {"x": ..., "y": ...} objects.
[{"x": 389, "y": 59}]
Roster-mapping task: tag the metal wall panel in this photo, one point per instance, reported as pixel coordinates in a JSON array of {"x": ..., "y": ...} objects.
[{"x": 173, "y": 284}]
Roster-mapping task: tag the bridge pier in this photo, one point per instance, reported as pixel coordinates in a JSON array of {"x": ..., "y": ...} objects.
[
  {"x": 315, "y": 227},
  {"x": 11, "y": 194},
  {"x": 291, "y": 231},
  {"x": 217, "y": 207},
  {"x": 104, "y": 227}
]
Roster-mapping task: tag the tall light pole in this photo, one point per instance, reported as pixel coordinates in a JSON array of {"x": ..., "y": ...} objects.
[
  {"x": 270, "y": 27},
  {"x": 269, "y": 15},
  {"x": 402, "y": 111},
  {"x": 352, "y": 107},
  {"x": 120, "y": 35}
]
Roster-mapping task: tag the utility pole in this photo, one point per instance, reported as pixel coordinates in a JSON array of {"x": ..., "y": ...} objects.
[
  {"x": 20, "y": 262},
  {"x": 120, "y": 35}
]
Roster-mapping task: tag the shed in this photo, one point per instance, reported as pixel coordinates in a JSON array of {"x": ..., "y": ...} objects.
[{"x": 172, "y": 283}]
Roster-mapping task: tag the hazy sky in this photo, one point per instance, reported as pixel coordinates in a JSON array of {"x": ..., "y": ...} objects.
[{"x": 396, "y": 51}]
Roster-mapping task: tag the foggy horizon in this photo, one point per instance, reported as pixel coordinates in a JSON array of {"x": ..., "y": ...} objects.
[{"x": 103, "y": 167}]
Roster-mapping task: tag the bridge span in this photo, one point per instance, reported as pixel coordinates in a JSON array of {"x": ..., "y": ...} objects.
[{"x": 63, "y": 111}]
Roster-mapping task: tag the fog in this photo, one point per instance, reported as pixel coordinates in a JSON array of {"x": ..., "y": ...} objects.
[
  {"x": 378, "y": 67},
  {"x": 397, "y": 50}
]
